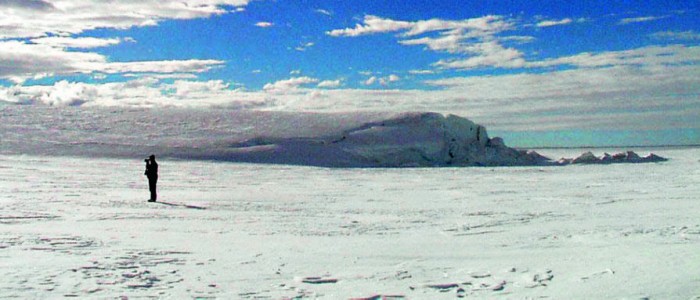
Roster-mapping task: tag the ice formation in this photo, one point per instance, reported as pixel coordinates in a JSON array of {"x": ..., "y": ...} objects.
[
  {"x": 329, "y": 140},
  {"x": 622, "y": 157},
  {"x": 404, "y": 140}
]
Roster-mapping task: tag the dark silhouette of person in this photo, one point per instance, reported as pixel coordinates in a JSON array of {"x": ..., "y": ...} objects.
[{"x": 152, "y": 174}]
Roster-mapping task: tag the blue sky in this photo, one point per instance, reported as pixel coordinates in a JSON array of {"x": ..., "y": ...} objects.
[{"x": 550, "y": 73}]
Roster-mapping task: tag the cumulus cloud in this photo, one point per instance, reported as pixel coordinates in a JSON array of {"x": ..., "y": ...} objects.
[
  {"x": 626, "y": 21},
  {"x": 36, "y": 18},
  {"x": 186, "y": 88},
  {"x": 141, "y": 92},
  {"x": 68, "y": 94},
  {"x": 548, "y": 23},
  {"x": 330, "y": 83},
  {"x": 382, "y": 80},
  {"x": 288, "y": 85},
  {"x": 389, "y": 79}
]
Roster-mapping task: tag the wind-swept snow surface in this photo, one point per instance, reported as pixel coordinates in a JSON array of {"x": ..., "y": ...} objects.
[
  {"x": 81, "y": 227},
  {"x": 332, "y": 140}
]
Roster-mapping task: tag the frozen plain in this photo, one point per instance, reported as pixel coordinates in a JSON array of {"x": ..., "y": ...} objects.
[{"x": 81, "y": 227}]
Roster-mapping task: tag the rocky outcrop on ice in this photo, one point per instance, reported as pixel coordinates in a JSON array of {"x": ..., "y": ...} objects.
[
  {"x": 360, "y": 139},
  {"x": 622, "y": 157}
]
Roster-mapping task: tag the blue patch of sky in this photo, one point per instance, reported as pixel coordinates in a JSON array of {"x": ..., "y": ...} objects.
[{"x": 255, "y": 56}]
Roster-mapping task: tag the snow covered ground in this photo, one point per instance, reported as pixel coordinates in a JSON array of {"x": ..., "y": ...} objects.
[{"x": 82, "y": 227}]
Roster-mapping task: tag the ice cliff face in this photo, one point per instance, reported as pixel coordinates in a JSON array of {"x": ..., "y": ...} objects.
[
  {"x": 429, "y": 139},
  {"x": 330, "y": 140}
]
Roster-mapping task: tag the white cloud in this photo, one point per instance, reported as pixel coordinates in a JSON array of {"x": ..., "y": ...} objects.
[
  {"x": 382, "y": 80},
  {"x": 45, "y": 55},
  {"x": 562, "y": 99},
  {"x": 651, "y": 96},
  {"x": 68, "y": 94},
  {"x": 517, "y": 38},
  {"x": 83, "y": 42},
  {"x": 626, "y": 21},
  {"x": 486, "y": 25},
  {"x": 548, "y": 23},
  {"x": 295, "y": 72},
  {"x": 161, "y": 76},
  {"x": 474, "y": 38},
  {"x": 651, "y": 55},
  {"x": 287, "y": 85},
  {"x": 305, "y": 46},
  {"x": 36, "y": 5},
  {"x": 323, "y": 12},
  {"x": 372, "y": 24},
  {"x": 136, "y": 93},
  {"x": 20, "y": 61},
  {"x": 35, "y": 18},
  {"x": 478, "y": 46},
  {"x": 488, "y": 54},
  {"x": 162, "y": 66},
  {"x": 330, "y": 83},
  {"x": 185, "y": 88},
  {"x": 447, "y": 43},
  {"x": 264, "y": 24},
  {"x": 677, "y": 35},
  {"x": 421, "y": 72}
]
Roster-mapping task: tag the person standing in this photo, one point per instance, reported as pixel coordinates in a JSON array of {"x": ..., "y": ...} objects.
[{"x": 152, "y": 174}]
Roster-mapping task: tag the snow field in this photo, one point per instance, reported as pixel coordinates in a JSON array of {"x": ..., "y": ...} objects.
[{"x": 82, "y": 227}]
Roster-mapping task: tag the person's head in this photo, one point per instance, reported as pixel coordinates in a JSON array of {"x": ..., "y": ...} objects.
[{"x": 152, "y": 157}]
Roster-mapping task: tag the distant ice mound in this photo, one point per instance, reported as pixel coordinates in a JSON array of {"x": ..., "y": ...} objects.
[
  {"x": 405, "y": 140},
  {"x": 357, "y": 139},
  {"x": 622, "y": 157}
]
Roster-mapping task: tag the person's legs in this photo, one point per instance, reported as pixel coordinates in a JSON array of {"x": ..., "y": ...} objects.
[{"x": 152, "y": 187}]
